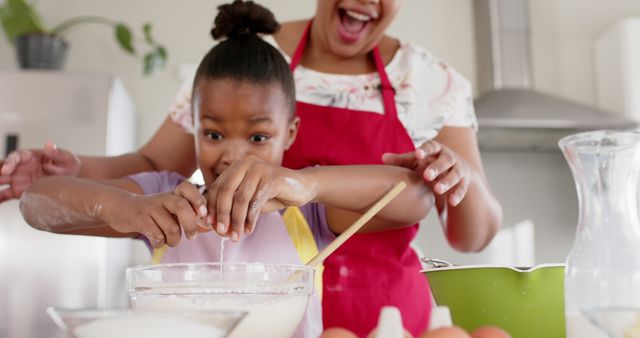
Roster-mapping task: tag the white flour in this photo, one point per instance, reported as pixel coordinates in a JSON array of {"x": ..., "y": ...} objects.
[
  {"x": 295, "y": 185},
  {"x": 148, "y": 326},
  {"x": 51, "y": 213},
  {"x": 270, "y": 315},
  {"x": 222, "y": 240}
]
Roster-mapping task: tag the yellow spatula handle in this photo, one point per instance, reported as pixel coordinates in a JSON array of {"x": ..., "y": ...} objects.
[{"x": 158, "y": 253}]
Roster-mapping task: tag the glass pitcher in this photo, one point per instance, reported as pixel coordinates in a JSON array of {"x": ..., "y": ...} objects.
[{"x": 602, "y": 276}]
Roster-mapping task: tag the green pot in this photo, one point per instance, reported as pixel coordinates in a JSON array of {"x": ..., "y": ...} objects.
[{"x": 526, "y": 302}]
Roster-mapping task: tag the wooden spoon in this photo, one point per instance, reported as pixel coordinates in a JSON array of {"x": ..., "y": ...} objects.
[{"x": 353, "y": 228}]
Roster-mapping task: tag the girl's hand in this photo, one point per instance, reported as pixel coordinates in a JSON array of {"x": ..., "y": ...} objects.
[
  {"x": 251, "y": 186},
  {"x": 444, "y": 171},
  {"x": 162, "y": 217},
  {"x": 22, "y": 167}
]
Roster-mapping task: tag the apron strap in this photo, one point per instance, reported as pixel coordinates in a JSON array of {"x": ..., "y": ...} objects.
[
  {"x": 297, "y": 55},
  {"x": 387, "y": 90}
]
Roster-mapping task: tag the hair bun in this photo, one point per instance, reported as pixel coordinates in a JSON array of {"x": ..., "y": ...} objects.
[{"x": 243, "y": 18}]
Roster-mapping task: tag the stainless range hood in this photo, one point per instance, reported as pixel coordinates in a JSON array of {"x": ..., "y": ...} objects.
[{"x": 510, "y": 113}]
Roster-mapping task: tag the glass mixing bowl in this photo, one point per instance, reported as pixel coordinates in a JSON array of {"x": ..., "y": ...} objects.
[
  {"x": 99, "y": 323},
  {"x": 274, "y": 295}
]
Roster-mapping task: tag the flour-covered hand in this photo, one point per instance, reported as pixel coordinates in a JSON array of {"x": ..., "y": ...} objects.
[
  {"x": 161, "y": 217},
  {"x": 251, "y": 186}
]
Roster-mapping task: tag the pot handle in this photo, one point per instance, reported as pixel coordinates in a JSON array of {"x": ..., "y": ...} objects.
[{"x": 436, "y": 263}]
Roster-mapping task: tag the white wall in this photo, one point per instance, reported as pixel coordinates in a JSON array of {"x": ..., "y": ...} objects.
[
  {"x": 563, "y": 32},
  {"x": 535, "y": 186},
  {"x": 184, "y": 27}
]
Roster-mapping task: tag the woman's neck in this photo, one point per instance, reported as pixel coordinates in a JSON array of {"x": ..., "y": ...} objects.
[{"x": 323, "y": 60}]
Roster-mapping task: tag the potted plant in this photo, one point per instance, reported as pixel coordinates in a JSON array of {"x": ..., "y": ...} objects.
[{"x": 40, "y": 47}]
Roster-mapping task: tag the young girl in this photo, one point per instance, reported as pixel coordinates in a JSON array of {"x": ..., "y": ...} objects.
[{"x": 244, "y": 103}]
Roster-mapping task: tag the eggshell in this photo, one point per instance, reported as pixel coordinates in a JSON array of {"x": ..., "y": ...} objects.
[{"x": 490, "y": 332}]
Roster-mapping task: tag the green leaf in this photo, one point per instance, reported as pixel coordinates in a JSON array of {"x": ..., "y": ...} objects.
[
  {"x": 155, "y": 60},
  {"x": 19, "y": 18},
  {"x": 148, "y": 63},
  {"x": 147, "y": 33},
  {"x": 125, "y": 38},
  {"x": 162, "y": 53}
]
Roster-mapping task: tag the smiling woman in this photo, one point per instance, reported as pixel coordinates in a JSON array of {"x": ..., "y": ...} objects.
[
  {"x": 350, "y": 28},
  {"x": 362, "y": 97}
]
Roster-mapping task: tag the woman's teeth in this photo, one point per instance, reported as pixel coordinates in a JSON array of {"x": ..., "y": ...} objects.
[{"x": 358, "y": 16}]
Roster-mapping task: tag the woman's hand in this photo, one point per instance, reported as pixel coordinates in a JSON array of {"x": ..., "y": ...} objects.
[
  {"x": 162, "y": 217},
  {"x": 251, "y": 186},
  {"x": 444, "y": 171},
  {"x": 452, "y": 166},
  {"x": 22, "y": 167}
]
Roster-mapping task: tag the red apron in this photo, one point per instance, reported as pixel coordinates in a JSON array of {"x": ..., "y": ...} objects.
[{"x": 370, "y": 270}]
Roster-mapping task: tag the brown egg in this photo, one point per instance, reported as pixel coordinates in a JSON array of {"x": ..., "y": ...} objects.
[
  {"x": 337, "y": 332},
  {"x": 490, "y": 332},
  {"x": 446, "y": 332},
  {"x": 373, "y": 333}
]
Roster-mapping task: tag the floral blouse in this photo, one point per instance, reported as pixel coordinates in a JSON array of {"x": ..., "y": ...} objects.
[{"x": 429, "y": 94}]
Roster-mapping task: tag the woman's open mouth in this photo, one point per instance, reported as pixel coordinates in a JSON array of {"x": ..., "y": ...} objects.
[{"x": 352, "y": 25}]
